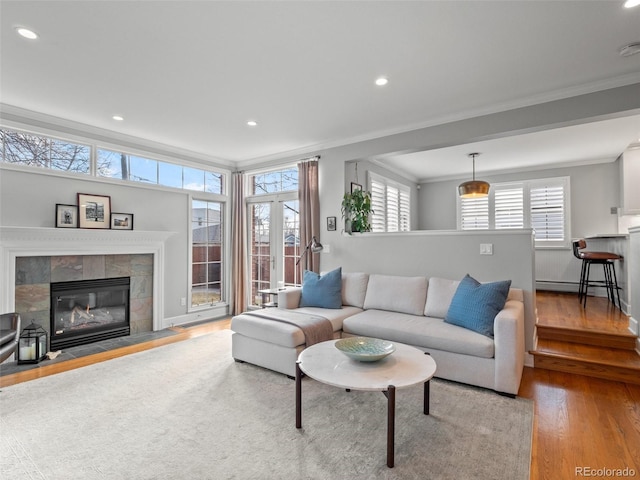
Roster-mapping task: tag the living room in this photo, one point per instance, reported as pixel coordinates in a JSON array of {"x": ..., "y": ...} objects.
[{"x": 371, "y": 133}]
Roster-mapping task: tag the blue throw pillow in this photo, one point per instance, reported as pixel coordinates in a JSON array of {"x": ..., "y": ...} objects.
[
  {"x": 475, "y": 305},
  {"x": 322, "y": 291}
]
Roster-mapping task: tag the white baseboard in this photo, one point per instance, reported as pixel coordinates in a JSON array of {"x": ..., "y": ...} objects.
[
  {"x": 565, "y": 287},
  {"x": 196, "y": 316},
  {"x": 528, "y": 360},
  {"x": 634, "y": 326}
]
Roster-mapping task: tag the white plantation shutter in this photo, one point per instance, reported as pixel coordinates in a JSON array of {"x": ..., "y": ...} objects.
[
  {"x": 378, "y": 202},
  {"x": 542, "y": 205},
  {"x": 548, "y": 213},
  {"x": 474, "y": 213},
  {"x": 509, "y": 207},
  {"x": 391, "y": 204},
  {"x": 405, "y": 211},
  {"x": 393, "y": 209}
]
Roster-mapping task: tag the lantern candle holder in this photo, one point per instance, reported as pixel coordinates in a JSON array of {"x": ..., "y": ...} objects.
[{"x": 32, "y": 344}]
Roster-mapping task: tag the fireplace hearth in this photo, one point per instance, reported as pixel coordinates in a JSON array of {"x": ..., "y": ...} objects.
[{"x": 87, "y": 311}]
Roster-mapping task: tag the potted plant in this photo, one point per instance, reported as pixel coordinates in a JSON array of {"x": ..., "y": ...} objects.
[{"x": 356, "y": 208}]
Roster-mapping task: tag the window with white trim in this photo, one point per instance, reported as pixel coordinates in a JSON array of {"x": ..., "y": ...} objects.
[
  {"x": 391, "y": 205},
  {"x": 134, "y": 168},
  {"x": 207, "y": 253},
  {"x": 273, "y": 215},
  {"x": 49, "y": 153},
  {"x": 24, "y": 148},
  {"x": 541, "y": 204}
]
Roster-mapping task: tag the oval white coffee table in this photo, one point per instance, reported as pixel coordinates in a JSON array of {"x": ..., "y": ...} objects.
[{"x": 405, "y": 367}]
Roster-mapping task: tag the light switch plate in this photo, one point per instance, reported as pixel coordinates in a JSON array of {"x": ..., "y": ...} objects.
[{"x": 486, "y": 249}]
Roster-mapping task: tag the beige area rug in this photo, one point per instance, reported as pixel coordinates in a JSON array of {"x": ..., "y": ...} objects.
[{"x": 187, "y": 410}]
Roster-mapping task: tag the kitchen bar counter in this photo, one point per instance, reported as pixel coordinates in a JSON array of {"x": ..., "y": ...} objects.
[{"x": 608, "y": 235}]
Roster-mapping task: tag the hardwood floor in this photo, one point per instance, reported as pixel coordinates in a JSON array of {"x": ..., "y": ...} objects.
[
  {"x": 593, "y": 341},
  {"x": 581, "y": 421},
  {"x": 563, "y": 310},
  {"x": 581, "y": 424}
]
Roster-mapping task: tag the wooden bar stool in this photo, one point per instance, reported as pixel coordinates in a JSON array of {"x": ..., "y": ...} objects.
[{"x": 605, "y": 259}]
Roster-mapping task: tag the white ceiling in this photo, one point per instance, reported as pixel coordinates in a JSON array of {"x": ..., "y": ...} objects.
[
  {"x": 594, "y": 142},
  {"x": 190, "y": 74}
]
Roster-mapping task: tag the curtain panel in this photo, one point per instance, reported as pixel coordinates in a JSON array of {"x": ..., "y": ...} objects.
[
  {"x": 239, "y": 254},
  {"x": 309, "y": 211}
]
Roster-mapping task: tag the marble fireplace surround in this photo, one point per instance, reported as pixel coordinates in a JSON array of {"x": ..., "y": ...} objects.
[{"x": 16, "y": 242}]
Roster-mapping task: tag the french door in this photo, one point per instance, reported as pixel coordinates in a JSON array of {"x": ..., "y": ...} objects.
[{"x": 274, "y": 245}]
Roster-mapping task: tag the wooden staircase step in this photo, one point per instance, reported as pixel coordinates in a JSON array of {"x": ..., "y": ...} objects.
[
  {"x": 590, "y": 360},
  {"x": 601, "y": 338}
]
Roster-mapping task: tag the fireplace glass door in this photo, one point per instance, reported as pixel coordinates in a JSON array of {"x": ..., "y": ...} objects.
[{"x": 89, "y": 310}]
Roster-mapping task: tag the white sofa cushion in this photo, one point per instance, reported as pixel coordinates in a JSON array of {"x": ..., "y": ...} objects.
[
  {"x": 439, "y": 296},
  {"x": 354, "y": 288},
  {"x": 396, "y": 294},
  {"x": 425, "y": 332}
]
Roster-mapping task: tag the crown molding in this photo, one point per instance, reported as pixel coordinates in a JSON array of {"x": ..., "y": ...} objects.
[
  {"x": 17, "y": 117},
  {"x": 560, "y": 94},
  {"x": 534, "y": 168}
]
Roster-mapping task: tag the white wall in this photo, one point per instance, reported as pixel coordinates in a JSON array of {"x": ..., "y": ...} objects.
[
  {"x": 594, "y": 191},
  {"x": 28, "y": 200}
]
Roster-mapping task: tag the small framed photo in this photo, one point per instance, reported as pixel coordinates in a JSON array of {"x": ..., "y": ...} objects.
[
  {"x": 355, "y": 186},
  {"x": 331, "y": 224},
  {"x": 66, "y": 216},
  {"x": 122, "y": 221},
  {"x": 94, "y": 211}
]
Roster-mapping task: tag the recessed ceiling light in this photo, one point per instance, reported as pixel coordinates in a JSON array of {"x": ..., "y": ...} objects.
[
  {"x": 382, "y": 81},
  {"x": 631, "y": 3},
  {"x": 118, "y": 118},
  {"x": 26, "y": 33},
  {"x": 252, "y": 123}
]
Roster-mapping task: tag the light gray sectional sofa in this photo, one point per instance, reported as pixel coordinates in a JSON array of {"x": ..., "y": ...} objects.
[{"x": 409, "y": 310}]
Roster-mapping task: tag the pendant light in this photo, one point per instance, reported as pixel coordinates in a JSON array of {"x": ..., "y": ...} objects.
[{"x": 473, "y": 188}]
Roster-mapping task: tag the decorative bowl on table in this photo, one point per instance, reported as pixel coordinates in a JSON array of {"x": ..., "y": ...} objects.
[{"x": 365, "y": 349}]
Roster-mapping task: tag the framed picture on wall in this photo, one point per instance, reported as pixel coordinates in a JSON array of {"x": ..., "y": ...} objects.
[
  {"x": 66, "y": 216},
  {"x": 355, "y": 186},
  {"x": 122, "y": 221},
  {"x": 94, "y": 211},
  {"x": 331, "y": 223}
]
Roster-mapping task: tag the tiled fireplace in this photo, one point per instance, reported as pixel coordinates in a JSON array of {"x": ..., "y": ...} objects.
[
  {"x": 32, "y": 258},
  {"x": 34, "y": 276}
]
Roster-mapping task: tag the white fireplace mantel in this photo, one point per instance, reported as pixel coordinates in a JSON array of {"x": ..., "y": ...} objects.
[{"x": 34, "y": 241}]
